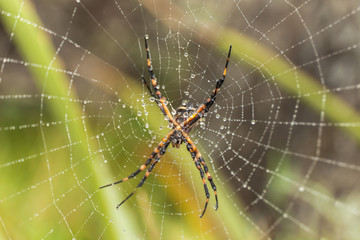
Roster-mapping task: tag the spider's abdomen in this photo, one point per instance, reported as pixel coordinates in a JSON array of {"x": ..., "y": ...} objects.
[{"x": 182, "y": 114}]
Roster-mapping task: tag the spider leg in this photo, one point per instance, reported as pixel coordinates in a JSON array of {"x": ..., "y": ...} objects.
[
  {"x": 160, "y": 100},
  {"x": 164, "y": 141},
  {"x": 210, "y": 179},
  {"x": 156, "y": 160},
  {"x": 210, "y": 101},
  {"x": 198, "y": 166},
  {"x": 150, "y": 69},
  {"x": 155, "y": 97},
  {"x": 198, "y": 159}
]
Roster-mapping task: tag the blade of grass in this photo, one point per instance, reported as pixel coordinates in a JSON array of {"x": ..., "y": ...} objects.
[
  {"x": 36, "y": 47},
  {"x": 283, "y": 74}
]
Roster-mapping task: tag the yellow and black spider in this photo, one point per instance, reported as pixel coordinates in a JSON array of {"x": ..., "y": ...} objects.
[{"x": 185, "y": 118}]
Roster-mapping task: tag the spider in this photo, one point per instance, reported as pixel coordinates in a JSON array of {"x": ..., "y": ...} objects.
[{"x": 186, "y": 117}]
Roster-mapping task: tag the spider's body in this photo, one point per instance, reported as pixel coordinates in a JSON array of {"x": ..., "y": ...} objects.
[
  {"x": 182, "y": 114},
  {"x": 185, "y": 119}
]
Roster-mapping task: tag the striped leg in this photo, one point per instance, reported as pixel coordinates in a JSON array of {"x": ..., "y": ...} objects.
[
  {"x": 156, "y": 160},
  {"x": 160, "y": 100},
  {"x": 210, "y": 179},
  {"x": 196, "y": 155},
  {"x": 198, "y": 166},
  {"x": 210, "y": 101},
  {"x": 150, "y": 69},
  {"x": 155, "y": 97},
  {"x": 159, "y": 149}
]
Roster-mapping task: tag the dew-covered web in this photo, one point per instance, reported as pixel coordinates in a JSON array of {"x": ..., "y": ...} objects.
[{"x": 281, "y": 141}]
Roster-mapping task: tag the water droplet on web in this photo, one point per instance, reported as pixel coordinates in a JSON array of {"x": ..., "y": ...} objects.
[
  {"x": 123, "y": 105},
  {"x": 143, "y": 104},
  {"x": 146, "y": 36},
  {"x": 161, "y": 127},
  {"x": 301, "y": 189},
  {"x": 186, "y": 54},
  {"x": 217, "y": 116},
  {"x": 139, "y": 113},
  {"x": 146, "y": 125},
  {"x": 186, "y": 93},
  {"x": 192, "y": 75},
  {"x": 152, "y": 99},
  {"x": 163, "y": 87},
  {"x": 222, "y": 127},
  {"x": 253, "y": 122},
  {"x": 224, "y": 119}
]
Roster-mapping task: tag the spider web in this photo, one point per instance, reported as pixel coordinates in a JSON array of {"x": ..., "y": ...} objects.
[{"x": 281, "y": 140}]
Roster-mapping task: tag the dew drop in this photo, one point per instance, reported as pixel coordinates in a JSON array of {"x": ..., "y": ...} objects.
[
  {"x": 253, "y": 122},
  {"x": 217, "y": 116},
  {"x": 186, "y": 93},
  {"x": 192, "y": 75},
  {"x": 139, "y": 113},
  {"x": 152, "y": 99},
  {"x": 186, "y": 54}
]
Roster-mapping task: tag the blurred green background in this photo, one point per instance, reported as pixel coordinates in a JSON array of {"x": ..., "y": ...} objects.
[{"x": 282, "y": 141}]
